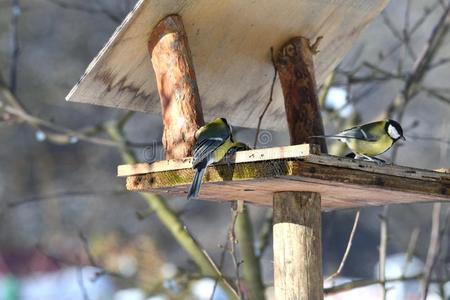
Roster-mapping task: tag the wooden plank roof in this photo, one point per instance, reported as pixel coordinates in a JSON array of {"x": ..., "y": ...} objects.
[{"x": 230, "y": 42}]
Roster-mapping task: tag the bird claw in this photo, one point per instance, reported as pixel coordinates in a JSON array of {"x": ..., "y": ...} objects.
[{"x": 380, "y": 162}]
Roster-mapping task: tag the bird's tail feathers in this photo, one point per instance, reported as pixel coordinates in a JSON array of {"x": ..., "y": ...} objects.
[{"x": 195, "y": 186}]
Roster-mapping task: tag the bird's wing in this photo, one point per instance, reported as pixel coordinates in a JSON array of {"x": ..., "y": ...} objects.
[
  {"x": 357, "y": 133},
  {"x": 204, "y": 148},
  {"x": 209, "y": 138}
]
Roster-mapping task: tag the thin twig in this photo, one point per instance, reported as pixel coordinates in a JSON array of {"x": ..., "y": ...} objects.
[
  {"x": 62, "y": 195},
  {"x": 383, "y": 249},
  {"x": 251, "y": 264},
  {"x": 34, "y": 121},
  {"x": 433, "y": 93},
  {"x": 52, "y": 131},
  {"x": 236, "y": 210},
  {"x": 86, "y": 248},
  {"x": 81, "y": 283},
  {"x": 366, "y": 282},
  {"x": 265, "y": 233},
  {"x": 220, "y": 266},
  {"x": 433, "y": 249},
  {"x": 410, "y": 250},
  {"x": 397, "y": 34},
  {"x": 258, "y": 128},
  {"x": 347, "y": 250},
  {"x": 16, "y": 11}
]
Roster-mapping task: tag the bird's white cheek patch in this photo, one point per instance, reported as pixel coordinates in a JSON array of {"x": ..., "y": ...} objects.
[{"x": 393, "y": 133}]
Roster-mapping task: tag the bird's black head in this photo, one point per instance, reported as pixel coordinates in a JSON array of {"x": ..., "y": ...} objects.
[
  {"x": 226, "y": 123},
  {"x": 394, "y": 130}
]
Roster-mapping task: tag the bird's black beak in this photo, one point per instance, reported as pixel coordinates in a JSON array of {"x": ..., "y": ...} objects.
[{"x": 403, "y": 138}]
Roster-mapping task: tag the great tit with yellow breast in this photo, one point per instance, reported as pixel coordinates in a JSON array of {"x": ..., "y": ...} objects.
[
  {"x": 214, "y": 141},
  {"x": 369, "y": 140}
]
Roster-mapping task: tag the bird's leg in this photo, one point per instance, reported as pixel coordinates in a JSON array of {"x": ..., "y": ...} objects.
[{"x": 376, "y": 160}]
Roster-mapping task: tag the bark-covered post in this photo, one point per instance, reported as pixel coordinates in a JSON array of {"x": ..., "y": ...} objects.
[
  {"x": 297, "y": 215},
  {"x": 296, "y": 70},
  {"x": 177, "y": 86}
]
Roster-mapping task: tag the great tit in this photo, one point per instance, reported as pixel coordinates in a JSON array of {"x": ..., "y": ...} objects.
[
  {"x": 371, "y": 139},
  {"x": 214, "y": 141}
]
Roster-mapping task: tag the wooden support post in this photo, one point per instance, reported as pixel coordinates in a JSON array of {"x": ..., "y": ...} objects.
[
  {"x": 296, "y": 231},
  {"x": 296, "y": 246},
  {"x": 296, "y": 70},
  {"x": 177, "y": 86}
]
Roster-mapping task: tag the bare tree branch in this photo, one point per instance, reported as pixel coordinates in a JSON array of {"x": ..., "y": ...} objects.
[
  {"x": 62, "y": 195},
  {"x": 434, "y": 246},
  {"x": 80, "y": 281},
  {"x": 16, "y": 11},
  {"x": 347, "y": 250},
  {"x": 410, "y": 250},
  {"x": 403, "y": 37},
  {"x": 258, "y": 127},
  {"x": 236, "y": 210},
  {"x": 265, "y": 233},
  {"x": 367, "y": 282},
  {"x": 383, "y": 249}
]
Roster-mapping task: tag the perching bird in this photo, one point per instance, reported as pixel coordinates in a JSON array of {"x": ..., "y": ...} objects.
[
  {"x": 371, "y": 139},
  {"x": 214, "y": 141}
]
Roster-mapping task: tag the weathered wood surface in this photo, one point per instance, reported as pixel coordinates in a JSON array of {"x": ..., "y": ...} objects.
[
  {"x": 296, "y": 151},
  {"x": 342, "y": 182},
  {"x": 296, "y": 71},
  {"x": 297, "y": 269},
  {"x": 177, "y": 86},
  {"x": 230, "y": 42}
]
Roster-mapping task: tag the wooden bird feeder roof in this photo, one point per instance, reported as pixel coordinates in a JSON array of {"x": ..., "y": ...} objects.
[
  {"x": 255, "y": 175},
  {"x": 230, "y": 42}
]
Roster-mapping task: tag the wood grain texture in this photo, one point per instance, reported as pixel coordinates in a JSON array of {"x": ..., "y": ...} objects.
[
  {"x": 296, "y": 71},
  {"x": 177, "y": 86},
  {"x": 297, "y": 246},
  {"x": 296, "y": 151},
  {"x": 230, "y": 42},
  {"x": 342, "y": 182}
]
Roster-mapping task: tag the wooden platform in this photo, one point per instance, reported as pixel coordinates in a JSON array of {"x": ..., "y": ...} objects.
[
  {"x": 230, "y": 43},
  {"x": 254, "y": 175}
]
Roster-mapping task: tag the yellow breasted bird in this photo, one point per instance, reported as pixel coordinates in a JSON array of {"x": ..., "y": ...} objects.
[
  {"x": 369, "y": 140},
  {"x": 213, "y": 142}
]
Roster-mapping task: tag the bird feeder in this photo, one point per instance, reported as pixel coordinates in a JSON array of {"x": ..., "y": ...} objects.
[{"x": 148, "y": 65}]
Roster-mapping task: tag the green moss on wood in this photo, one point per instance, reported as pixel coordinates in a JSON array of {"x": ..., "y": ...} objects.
[{"x": 215, "y": 173}]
